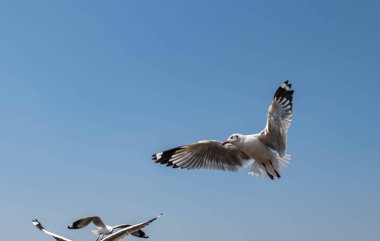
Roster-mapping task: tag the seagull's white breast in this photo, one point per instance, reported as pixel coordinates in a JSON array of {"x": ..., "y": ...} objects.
[{"x": 256, "y": 149}]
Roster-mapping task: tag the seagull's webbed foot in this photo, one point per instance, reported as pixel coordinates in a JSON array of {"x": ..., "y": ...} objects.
[
  {"x": 269, "y": 175},
  {"x": 277, "y": 174}
]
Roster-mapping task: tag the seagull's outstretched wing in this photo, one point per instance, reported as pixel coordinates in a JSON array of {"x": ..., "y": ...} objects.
[
  {"x": 204, "y": 154},
  {"x": 83, "y": 222},
  {"x": 138, "y": 233},
  {"x": 55, "y": 236},
  {"x": 278, "y": 119},
  {"x": 129, "y": 230}
]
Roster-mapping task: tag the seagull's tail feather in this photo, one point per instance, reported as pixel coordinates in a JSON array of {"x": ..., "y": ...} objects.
[
  {"x": 282, "y": 162},
  {"x": 95, "y": 232},
  {"x": 257, "y": 170}
]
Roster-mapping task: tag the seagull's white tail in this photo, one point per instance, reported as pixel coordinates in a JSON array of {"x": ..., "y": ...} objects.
[
  {"x": 257, "y": 170},
  {"x": 279, "y": 164},
  {"x": 95, "y": 232}
]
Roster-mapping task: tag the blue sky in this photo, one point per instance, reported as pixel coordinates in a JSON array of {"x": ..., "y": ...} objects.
[{"x": 90, "y": 89}]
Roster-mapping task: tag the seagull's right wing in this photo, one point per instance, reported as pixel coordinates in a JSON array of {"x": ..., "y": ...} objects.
[
  {"x": 83, "y": 222},
  {"x": 129, "y": 230},
  {"x": 279, "y": 118},
  {"x": 55, "y": 236},
  {"x": 205, "y": 155},
  {"x": 139, "y": 233}
]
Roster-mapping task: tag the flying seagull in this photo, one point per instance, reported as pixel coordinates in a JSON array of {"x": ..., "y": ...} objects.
[
  {"x": 104, "y": 229},
  {"x": 266, "y": 150},
  {"x": 116, "y": 236},
  {"x": 55, "y": 236}
]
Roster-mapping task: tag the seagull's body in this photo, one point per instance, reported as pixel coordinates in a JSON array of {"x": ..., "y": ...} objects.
[
  {"x": 103, "y": 229},
  {"x": 266, "y": 150},
  {"x": 116, "y": 236}
]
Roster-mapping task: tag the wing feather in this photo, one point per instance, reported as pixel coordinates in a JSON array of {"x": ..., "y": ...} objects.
[
  {"x": 83, "y": 222},
  {"x": 204, "y": 155},
  {"x": 279, "y": 119},
  {"x": 128, "y": 230},
  {"x": 139, "y": 233}
]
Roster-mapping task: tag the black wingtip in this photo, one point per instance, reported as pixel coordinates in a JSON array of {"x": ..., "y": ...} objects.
[
  {"x": 284, "y": 91},
  {"x": 164, "y": 157},
  {"x": 37, "y": 224},
  {"x": 74, "y": 225},
  {"x": 287, "y": 83}
]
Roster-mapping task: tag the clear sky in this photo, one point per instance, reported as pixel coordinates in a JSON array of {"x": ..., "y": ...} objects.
[{"x": 90, "y": 89}]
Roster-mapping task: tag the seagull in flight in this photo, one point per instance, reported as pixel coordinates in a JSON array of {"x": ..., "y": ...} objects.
[
  {"x": 103, "y": 229},
  {"x": 55, "y": 236},
  {"x": 116, "y": 236},
  {"x": 266, "y": 150}
]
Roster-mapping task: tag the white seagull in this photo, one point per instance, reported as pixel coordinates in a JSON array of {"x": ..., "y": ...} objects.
[
  {"x": 104, "y": 229},
  {"x": 266, "y": 149},
  {"x": 120, "y": 234}
]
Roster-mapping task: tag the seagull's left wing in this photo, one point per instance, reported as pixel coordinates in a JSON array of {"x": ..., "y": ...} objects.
[
  {"x": 205, "y": 154},
  {"x": 278, "y": 119},
  {"x": 55, "y": 236},
  {"x": 129, "y": 230}
]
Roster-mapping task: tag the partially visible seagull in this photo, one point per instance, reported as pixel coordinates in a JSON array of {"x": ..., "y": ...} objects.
[
  {"x": 55, "y": 236},
  {"x": 120, "y": 234},
  {"x": 266, "y": 149},
  {"x": 104, "y": 229}
]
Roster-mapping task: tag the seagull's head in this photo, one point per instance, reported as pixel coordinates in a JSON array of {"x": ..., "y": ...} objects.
[{"x": 234, "y": 139}]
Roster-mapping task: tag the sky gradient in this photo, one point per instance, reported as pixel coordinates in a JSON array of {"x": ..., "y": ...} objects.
[{"x": 91, "y": 89}]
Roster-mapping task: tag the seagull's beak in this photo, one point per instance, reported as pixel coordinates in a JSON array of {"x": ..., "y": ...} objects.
[{"x": 226, "y": 142}]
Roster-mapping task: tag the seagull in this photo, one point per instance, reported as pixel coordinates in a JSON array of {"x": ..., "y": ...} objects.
[
  {"x": 104, "y": 229},
  {"x": 266, "y": 150},
  {"x": 55, "y": 236},
  {"x": 120, "y": 234}
]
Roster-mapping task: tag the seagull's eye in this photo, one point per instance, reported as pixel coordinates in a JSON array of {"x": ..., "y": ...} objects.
[{"x": 237, "y": 137}]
